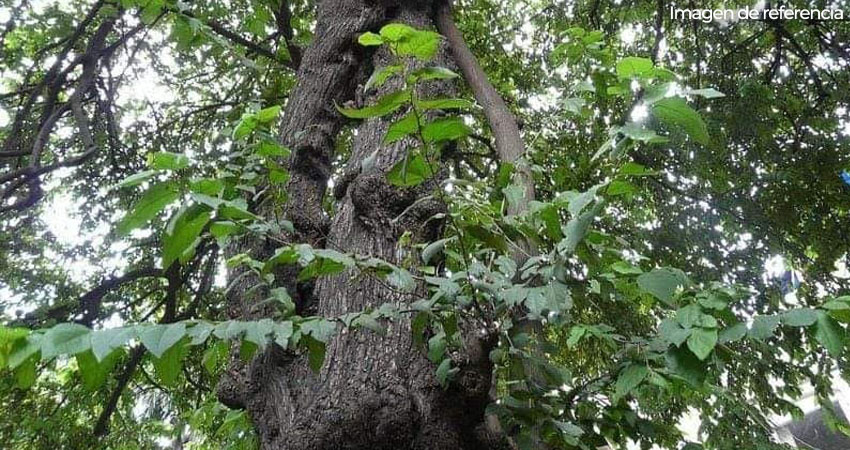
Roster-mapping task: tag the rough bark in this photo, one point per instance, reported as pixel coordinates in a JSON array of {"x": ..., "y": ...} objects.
[{"x": 373, "y": 391}]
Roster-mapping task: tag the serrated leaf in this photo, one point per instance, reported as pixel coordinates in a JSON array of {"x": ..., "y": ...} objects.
[
  {"x": 168, "y": 365},
  {"x": 269, "y": 114},
  {"x": 674, "y": 111},
  {"x": 437, "y": 347},
  {"x": 444, "y": 372},
  {"x": 411, "y": 171},
  {"x": 94, "y": 371},
  {"x": 830, "y": 334},
  {"x": 445, "y": 129},
  {"x": 444, "y": 103},
  {"x": 319, "y": 329},
  {"x": 662, "y": 283},
  {"x": 401, "y": 279},
  {"x": 433, "y": 73},
  {"x": 672, "y": 332},
  {"x": 634, "y": 67},
  {"x": 26, "y": 374},
  {"x": 702, "y": 341},
  {"x": 576, "y": 229},
  {"x": 207, "y": 186},
  {"x": 137, "y": 178},
  {"x": 387, "y": 104},
  {"x": 152, "y": 202},
  {"x": 182, "y": 233},
  {"x": 763, "y": 327},
  {"x": 370, "y": 39},
  {"x": 215, "y": 356},
  {"x": 381, "y": 75},
  {"x": 433, "y": 249},
  {"x": 103, "y": 342},
  {"x": 800, "y": 317},
  {"x": 406, "y": 126},
  {"x": 707, "y": 93},
  {"x": 734, "y": 333},
  {"x": 65, "y": 339},
  {"x": 22, "y": 350},
  {"x": 167, "y": 161},
  {"x": 685, "y": 364},
  {"x": 629, "y": 379},
  {"x": 159, "y": 338},
  {"x": 315, "y": 354}
]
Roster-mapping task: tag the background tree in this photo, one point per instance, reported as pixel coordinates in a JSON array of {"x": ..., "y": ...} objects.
[{"x": 328, "y": 226}]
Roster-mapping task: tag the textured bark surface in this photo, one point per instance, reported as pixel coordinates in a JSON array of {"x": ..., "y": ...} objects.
[{"x": 373, "y": 391}]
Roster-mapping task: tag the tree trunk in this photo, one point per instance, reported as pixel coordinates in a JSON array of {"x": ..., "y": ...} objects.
[{"x": 373, "y": 392}]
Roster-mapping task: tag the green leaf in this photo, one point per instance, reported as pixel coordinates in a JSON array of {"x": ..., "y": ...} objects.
[
  {"x": 159, "y": 338},
  {"x": 626, "y": 268},
  {"x": 387, "y": 104},
  {"x": 94, "y": 371},
  {"x": 763, "y": 327},
  {"x": 672, "y": 332},
  {"x": 674, "y": 111},
  {"x": 619, "y": 187},
  {"x": 223, "y": 229},
  {"x": 199, "y": 332},
  {"x": 444, "y": 103},
  {"x": 514, "y": 194},
  {"x": 411, "y": 171},
  {"x": 315, "y": 354},
  {"x": 800, "y": 317},
  {"x": 137, "y": 178},
  {"x": 629, "y": 379},
  {"x": 271, "y": 149},
  {"x": 370, "y": 39},
  {"x": 65, "y": 339},
  {"x": 409, "y": 41},
  {"x": 182, "y": 234},
  {"x": 445, "y": 372},
  {"x": 22, "y": 350},
  {"x": 245, "y": 127},
  {"x": 707, "y": 93},
  {"x": 433, "y": 73},
  {"x": 381, "y": 75},
  {"x": 215, "y": 356},
  {"x": 401, "y": 128},
  {"x": 445, "y": 129},
  {"x": 152, "y": 202},
  {"x": 26, "y": 374},
  {"x": 685, "y": 364},
  {"x": 830, "y": 334},
  {"x": 640, "y": 134},
  {"x": 401, "y": 279},
  {"x": 575, "y": 230},
  {"x": 319, "y": 329},
  {"x": 634, "y": 170},
  {"x": 689, "y": 316},
  {"x": 734, "y": 333},
  {"x": 283, "y": 331},
  {"x": 433, "y": 249},
  {"x": 634, "y": 67},
  {"x": 269, "y": 114},
  {"x": 169, "y": 364},
  {"x": 702, "y": 342},
  {"x": 103, "y": 342},
  {"x": 207, "y": 186},
  {"x": 662, "y": 283},
  {"x": 167, "y": 161},
  {"x": 437, "y": 347}
]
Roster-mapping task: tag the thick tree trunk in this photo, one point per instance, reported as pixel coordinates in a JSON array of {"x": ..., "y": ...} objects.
[{"x": 373, "y": 392}]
